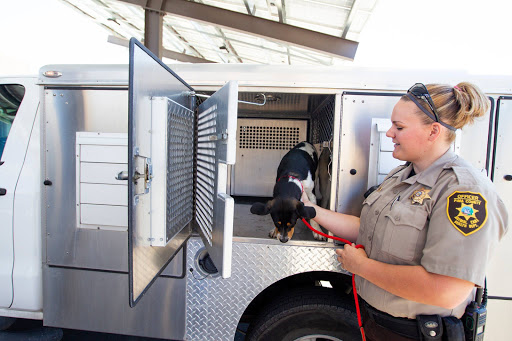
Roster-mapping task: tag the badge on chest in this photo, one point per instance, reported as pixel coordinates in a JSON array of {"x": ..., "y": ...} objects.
[{"x": 419, "y": 195}]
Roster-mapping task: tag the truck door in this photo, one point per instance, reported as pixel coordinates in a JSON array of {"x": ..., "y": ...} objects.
[
  {"x": 17, "y": 118},
  {"x": 499, "y": 274},
  {"x": 177, "y": 169}
]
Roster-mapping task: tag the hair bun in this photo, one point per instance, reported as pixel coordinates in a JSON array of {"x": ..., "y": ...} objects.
[{"x": 472, "y": 102}]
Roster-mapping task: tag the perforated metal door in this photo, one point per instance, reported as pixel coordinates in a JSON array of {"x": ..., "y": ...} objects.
[
  {"x": 160, "y": 151},
  {"x": 216, "y": 149}
]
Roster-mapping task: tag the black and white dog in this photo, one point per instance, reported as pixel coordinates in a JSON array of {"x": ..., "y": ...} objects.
[{"x": 296, "y": 173}]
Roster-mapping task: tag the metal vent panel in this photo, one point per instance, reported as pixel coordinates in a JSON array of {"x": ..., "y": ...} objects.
[
  {"x": 322, "y": 121},
  {"x": 268, "y": 137},
  {"x": 180, "y": 164}
]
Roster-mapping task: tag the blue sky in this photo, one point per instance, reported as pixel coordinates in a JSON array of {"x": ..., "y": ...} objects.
[{"x": 449, "y": 34}]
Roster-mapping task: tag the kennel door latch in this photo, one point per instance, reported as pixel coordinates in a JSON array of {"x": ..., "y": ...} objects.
[{"x": 221, "y": 136}]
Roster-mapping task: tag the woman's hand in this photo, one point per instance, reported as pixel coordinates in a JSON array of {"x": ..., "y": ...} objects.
[{"x": 351, "y": 258}]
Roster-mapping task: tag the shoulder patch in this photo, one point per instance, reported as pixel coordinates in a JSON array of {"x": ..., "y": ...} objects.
[{"x": 467, "y": 211}]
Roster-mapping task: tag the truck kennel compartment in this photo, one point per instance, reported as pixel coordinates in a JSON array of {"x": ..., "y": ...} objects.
[
  {"x": 264, "y": 135},
  {"x": 146, "y": 185}
]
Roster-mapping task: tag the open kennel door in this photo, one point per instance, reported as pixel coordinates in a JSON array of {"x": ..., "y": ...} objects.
[
  {"x": 160, "y": 167},
  {"x": 216, "y": 150}
]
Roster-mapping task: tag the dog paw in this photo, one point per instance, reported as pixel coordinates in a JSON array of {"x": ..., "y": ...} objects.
[
  {"x": 273, "y": 233},
  {"x": 317, "y": 227},
  {"x": 319, "y": 237}
]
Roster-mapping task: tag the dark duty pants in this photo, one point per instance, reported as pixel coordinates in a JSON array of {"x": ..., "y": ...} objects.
[{"x": 379, "y": 326}]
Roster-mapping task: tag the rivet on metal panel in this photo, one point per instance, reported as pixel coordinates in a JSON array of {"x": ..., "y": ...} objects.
[
  {"x": 61, "y": 95},
  {"x": 136, "y": 151},
  {"x": 362, "y": 101},
  {"x": 54, "y": 95}
]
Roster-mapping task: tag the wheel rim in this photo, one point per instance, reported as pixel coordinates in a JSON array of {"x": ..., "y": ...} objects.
[{"x": 317, "y": 337}]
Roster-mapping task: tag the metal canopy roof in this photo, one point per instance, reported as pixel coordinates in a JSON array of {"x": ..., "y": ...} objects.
[{"x": 322, "y": 32}]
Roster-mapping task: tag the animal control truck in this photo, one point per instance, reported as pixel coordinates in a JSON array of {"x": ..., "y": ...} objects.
[{"x": 125, "y": 194}]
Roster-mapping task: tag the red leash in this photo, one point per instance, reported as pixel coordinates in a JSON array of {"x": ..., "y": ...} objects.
[{"x": 359, "y": 246}]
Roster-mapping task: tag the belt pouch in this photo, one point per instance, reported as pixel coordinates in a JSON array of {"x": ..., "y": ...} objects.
[
  {"x": 453, "y": 329},
  {"x": 430, "y": 327}
]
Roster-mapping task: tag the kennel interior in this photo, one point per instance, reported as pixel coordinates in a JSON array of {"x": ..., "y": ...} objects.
[{"x": 264, "y": 135}]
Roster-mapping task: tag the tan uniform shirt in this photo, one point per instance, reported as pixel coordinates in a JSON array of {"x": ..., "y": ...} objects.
[{"x": 447, "y": 219}]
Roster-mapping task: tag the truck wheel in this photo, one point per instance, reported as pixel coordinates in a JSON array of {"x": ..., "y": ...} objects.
[
  {"x": 307, "y": 314},
  {"x": 6, "y": 322}
]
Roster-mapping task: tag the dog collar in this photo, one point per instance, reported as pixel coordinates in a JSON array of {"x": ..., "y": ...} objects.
[{"x": 294, "y": 178}]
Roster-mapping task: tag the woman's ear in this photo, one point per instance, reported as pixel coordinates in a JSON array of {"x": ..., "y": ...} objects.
[{"x": 435, "y": 131}]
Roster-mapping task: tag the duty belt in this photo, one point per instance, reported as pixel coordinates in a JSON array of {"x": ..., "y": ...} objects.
[{"x": 399, "y": 325}]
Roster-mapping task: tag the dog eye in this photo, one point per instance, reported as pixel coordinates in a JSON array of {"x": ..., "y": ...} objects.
[
  {"x": 279, "y": 222},
  {"x": 288, "y": 224}
]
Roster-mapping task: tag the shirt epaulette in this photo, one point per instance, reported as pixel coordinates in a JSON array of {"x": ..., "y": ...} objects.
[{"x": 469, "y": 176}]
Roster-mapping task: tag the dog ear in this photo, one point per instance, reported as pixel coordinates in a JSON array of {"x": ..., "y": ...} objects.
[
  {"x": 261, "y": 208},
  {"x": 305, "y": 211}
]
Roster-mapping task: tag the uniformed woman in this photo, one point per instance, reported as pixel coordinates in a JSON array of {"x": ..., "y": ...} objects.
[{"x": 430, "y": 228}]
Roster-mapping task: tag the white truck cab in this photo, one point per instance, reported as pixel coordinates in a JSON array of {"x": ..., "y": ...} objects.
[{"x": 125, "y": 194}]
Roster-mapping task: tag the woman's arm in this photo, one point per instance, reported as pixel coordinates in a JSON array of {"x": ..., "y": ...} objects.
[
  {"x": 413, "y": 283},
  {"x": 343, "y": 225}
]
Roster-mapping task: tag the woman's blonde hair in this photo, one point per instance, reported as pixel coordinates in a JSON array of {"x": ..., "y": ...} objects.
[{"x": 456, "y": 106}]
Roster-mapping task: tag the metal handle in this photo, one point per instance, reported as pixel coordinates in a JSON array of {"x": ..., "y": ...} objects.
[
  {"x": 122, "y": 175},
  {"x": 508, "y": 177}
]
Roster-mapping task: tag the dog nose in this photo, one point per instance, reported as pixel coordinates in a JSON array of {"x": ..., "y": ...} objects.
[{"x": 283, "y": 239}]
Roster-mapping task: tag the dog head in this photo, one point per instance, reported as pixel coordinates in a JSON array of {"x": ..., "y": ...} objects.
[{"x": 284, "y": 213}]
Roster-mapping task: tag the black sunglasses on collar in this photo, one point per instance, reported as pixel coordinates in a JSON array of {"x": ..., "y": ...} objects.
[{"x": 419, "y": 90}]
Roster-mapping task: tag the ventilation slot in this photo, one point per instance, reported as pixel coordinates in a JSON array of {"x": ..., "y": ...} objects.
[{"x": 206, "y": 171}]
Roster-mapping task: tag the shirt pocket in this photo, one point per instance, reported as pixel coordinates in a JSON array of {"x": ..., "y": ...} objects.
[{"x": 404, "y": 226}]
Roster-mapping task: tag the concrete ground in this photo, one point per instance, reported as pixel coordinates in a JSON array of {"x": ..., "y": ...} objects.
[{"x": 33, "y": 330}]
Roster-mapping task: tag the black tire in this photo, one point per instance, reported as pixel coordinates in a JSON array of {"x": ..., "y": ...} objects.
[
  {"x": 307, "y": 314},
  {"x": 6, "y": 322}
]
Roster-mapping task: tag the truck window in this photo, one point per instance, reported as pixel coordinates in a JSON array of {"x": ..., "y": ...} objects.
[{"x": 10, "y": 100}]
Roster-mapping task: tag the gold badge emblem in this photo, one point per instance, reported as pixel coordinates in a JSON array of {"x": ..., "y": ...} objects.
[
  {"x": 467, "y": 211},
  {"x": 419, "y": 195}
]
